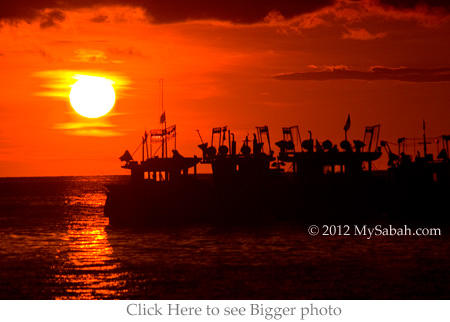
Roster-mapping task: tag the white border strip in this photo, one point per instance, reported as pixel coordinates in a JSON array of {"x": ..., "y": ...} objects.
[{"x": 236, "y": 311}]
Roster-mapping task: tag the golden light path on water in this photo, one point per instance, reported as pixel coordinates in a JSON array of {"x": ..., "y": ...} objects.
[
  {"x": 55, "y": 243},
  {"x": 86, "y": 266}
]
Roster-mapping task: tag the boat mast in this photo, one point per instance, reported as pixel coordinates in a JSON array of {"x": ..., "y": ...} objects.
[{"x": 162, "y": 120}]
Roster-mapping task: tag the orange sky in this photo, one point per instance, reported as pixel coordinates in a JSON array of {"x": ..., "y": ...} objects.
[{"x": 275, "y": 63}]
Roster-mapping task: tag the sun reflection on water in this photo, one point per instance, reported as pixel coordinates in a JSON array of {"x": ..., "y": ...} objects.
[{"x": 85, "y": 265}]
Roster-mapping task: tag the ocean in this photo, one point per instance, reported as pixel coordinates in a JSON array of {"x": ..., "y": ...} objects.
[{"x": 56, "y": 243}]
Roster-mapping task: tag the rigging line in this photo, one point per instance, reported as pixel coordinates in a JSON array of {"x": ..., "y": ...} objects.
[
  {"x": 143, "y": 141},
  {"x": 156, "y": 151},
  {"x": 136, "y": 149}
]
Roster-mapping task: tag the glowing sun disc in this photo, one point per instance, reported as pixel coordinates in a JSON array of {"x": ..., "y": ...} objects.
[{"x": 92, "y": 96}]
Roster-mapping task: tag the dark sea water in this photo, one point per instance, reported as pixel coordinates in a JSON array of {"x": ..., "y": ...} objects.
[{"x": 56, "y": 243}]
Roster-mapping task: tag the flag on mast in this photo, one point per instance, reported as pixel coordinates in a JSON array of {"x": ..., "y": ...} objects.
[
  {"x": 347, "y": 124},
  {"x": 162, "y": 118}
]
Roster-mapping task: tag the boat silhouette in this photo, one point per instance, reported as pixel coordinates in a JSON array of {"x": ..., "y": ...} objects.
[
  {"x": 307, "y": 181},
  {"x": 252, "y": 185},
  {"x": 418, "y": 186}
]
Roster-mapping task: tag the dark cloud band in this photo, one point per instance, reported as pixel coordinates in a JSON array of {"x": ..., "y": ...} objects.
[
  {"x": 374, "y": 74},
  {"x": 409, "y": 4},
  {"x": 170, "y": 11}
]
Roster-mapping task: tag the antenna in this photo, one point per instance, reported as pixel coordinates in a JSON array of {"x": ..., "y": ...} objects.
[
  {"x": 161, "y": 81},
  {"x": 162, "y": 120}
]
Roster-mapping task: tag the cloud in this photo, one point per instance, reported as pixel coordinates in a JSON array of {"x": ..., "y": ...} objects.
[
  {"x": 427, "y": 12},
  {"x": 96, "y": 133},
  {"x": 402, "y": 74},
  {"x": 362, "y": 34},
  {"x": 83, "y": 125},
  {"x": 126, "y": 52},
  {"x": 97, "y": 129},
  {"x": 100, "y": 18},
  {"x": 52, "y": 18},
  {"x": 58, "y": 82},
  {"x": 87, "y": 55},
  {"x": 354, "y": 15},
  {"x": 415, "y": 3},
  {"x": 50, "y": 12},
  {"x": 171, "y": 11}
]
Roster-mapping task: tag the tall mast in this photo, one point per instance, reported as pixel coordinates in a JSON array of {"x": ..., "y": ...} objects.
[
  {"x": 162, "y": 95},
  {"x": 162, "y": 120},
  {"x": 164, "y": 111}
]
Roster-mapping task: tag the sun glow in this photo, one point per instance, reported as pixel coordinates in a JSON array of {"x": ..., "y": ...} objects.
[{"x": 92, "y": 96}]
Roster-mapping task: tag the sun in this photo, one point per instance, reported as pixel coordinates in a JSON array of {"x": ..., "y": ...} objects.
[{"x": 92, "y": 96}]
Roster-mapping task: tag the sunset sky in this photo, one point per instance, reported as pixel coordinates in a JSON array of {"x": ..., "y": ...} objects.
[{"x": 236, "y": 63}]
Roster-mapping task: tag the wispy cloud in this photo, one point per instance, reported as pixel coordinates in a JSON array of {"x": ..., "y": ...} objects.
[
  {"x": 97, "y": 129},
  {"x": 125, "y": 52},
  {"x": 353, "y": 16},
  {"x": 57, "y": 83},
  {"x": 83, "y": 125},
  {"x": 52, "y": 18},
  {"x": 100, "y": 18},
  {"x": 87, "y": 55},
  {"x": 402, "y": 74},
  {"x": 362, "y": 34},
  {"x": 96, "y": 132}
]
